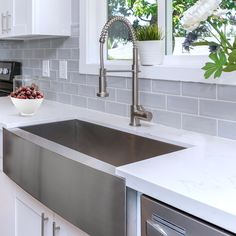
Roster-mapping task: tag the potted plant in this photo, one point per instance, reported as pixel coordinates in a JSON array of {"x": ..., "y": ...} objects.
[{"x": 151, "y": 45}]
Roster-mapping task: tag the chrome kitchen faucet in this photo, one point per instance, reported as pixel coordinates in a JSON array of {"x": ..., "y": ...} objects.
[{"x": 137, "y": 112}]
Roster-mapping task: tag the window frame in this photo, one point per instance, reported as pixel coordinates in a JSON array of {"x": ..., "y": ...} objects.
[{"x": 184, "y": 68}]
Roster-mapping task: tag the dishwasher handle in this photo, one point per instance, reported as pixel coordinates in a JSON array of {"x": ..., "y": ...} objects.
[{"x": 154, "y": 229}]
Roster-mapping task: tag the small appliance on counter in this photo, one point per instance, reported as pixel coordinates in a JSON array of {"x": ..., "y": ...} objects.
[{"x": 8, "y": 70}]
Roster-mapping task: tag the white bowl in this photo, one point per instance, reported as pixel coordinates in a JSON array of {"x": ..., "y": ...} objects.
[{"x": 27, "y": 107}]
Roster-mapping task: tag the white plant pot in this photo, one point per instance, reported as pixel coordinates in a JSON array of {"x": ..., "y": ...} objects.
[{"x": 151, "y": 52}]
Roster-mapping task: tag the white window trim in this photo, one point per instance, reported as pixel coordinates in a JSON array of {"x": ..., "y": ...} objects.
[{"x": 93, "y": 16}]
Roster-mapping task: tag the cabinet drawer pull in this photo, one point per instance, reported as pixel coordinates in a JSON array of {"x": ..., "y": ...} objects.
[
  {"x": 3, "y": 23},
  {"x": 43, "y": 220},
  {"x": 55, "y": 228},
  {"x": 8, "y": 16}
]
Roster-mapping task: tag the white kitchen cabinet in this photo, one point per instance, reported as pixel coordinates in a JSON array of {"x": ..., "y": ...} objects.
[
  {"x": 7, "y": 206},
  {"x": 29, "y": 19},
  {"x": 5, "y": 10},
  {"x": 31, "y": 217}
]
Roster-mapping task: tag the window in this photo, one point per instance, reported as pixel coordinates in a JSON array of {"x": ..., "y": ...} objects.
[
  {"x": 182, "y": 60},
  {"x": 139, "y": 13},
  {"x": 143, "y": 12},
  {"x": 182, "y": 39}
]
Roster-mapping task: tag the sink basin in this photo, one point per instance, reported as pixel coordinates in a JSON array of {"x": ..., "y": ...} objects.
[
  {"x": 69, "y": 167},
  {"x": 109, "y": 145}
]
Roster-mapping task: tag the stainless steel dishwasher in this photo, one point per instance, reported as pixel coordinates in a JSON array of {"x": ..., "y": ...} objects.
[{"x": 159, "y": 219}]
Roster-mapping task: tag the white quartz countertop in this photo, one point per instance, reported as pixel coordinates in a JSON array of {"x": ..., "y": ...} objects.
[{"x": 200, "y": 180}]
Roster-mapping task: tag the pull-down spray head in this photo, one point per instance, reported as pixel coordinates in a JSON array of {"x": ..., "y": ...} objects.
[{"x": 102, "y": 73}]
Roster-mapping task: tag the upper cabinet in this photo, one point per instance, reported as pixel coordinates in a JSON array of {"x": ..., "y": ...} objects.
[{"x": 29, "y": 19}]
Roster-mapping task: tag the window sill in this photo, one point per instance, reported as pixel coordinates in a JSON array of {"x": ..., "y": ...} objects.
[{"x": 168, "y": 71}]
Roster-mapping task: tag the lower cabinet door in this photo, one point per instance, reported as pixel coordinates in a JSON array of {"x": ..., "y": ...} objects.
[
  {"x": 64, "y": 228},
  {"x": 28, "y": 222},
  {"x": 7, "y": 206},
  {"x": 32, "y": 219}
]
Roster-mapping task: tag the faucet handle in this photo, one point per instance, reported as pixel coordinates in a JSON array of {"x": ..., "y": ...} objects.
[
  {"x": 139, "y": 113},
  {"x": 147, "y": 116},
  {"x": 143, "y": 114}
]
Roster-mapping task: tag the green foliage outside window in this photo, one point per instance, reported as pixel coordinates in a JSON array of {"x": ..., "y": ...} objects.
[{"x": 144, "y": 11}]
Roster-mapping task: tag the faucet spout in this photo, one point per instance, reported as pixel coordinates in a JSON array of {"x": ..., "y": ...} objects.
[{"x": 137, "y": 111}]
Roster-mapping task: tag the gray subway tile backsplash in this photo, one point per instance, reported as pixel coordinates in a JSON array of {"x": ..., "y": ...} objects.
[
  {"x": 28, "y": 53},
  {"x": 72, "y": 42},
  {"x": 54, "y": 64},
  {"x": 64, "y": 54},
  {"x": 18, "y": 53},
  {"x": 117, "y": 108},
  {"x": 45, "y": 84},
  {"x": 92, "y": 80},
  {"x": 124, "y": 96},
  {"x": 227, "y": 129},
  {"x": 199, "y": 124},
  {"x": 38, "y": 53},
  {"x": 167, "y": 87},
  {"x": 227, "y": 93},
  {"x": 87, "y": 91},
  {"x": 44, "y": 43},
  {"x": 50, "y": 53},
  {"x": 79, "y": 101},
  {"x": 64, "y": 98},
  {"x": 172, "y": 119},
  {"x": 96, "y": 104},
  {"x": 75, "y": 54},
  {"x": 50, "y": 95},
  {"x": 77, "y": 78},
  {"x": 115, "y": 82},
  {"x": 218, "y": 109},
  {"x": 56, "y": 86},
  {"x": 153, "y": 100},
  {"x": 182, "y": 104},
  {"x": 70, "y": 88},
  {"x": 199, "y": 107},
  {"x": 200, "y": 90},
  {"x": 57, "y": 43},
  {"x": 73, "y": 65},
  {"x": 144, "y": 85}
]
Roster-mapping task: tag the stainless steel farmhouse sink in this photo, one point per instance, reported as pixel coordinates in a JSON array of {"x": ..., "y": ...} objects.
[
  {"x": 67, "y": 166},
  {"x": 111, "y": 146}
]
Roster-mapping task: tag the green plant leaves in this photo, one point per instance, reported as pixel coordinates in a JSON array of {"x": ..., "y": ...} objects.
[
  {"x": 234, "y": 44},
  {"x": 220, "y": 63},
  {"x": 217, "y": 66},
  {"x": 149, "y": 32},
  {"x": 232, "y": 57},
  {"x": 230, "y": 68}
]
